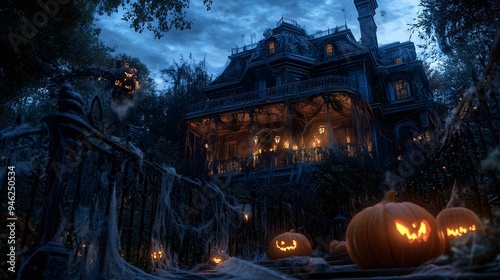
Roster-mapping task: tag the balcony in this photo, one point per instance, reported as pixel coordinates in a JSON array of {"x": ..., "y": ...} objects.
[{"x": 296, "y": 90}]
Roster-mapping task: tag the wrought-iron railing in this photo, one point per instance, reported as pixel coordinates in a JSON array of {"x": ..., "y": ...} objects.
[
  {"x": 90, "y": 207},
  {"x": 329, "y": 31},
  {"x": 299, "y": 89},
  {"x": 84, "y": 205},
  {"x": 283, "y": 159},
  {"x": 244, "y": 48}
]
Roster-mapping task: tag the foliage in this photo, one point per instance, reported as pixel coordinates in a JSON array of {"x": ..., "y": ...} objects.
[
  {"x": 461, "y": 29},
  {"x": 157, "y": 16},
  {"x": 42, "y": 41},
  {"x": 38, "y": 44},
  {"x": 187, "y": 80},
  {"x": 345, "y": 186}
]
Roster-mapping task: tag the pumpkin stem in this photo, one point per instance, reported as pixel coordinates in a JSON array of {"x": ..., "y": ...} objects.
[
  {"x": 292, "y": 231},
  {"x": 389, "y": 196}
]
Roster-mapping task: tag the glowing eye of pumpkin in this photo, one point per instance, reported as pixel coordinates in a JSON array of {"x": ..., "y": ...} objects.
[
  {"x": 459, "y": 231},
  {"x": 422, "y": 233},
  {"x": 286, "y": 248}
]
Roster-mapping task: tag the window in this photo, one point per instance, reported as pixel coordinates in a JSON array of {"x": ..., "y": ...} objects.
[
  {"x": 399, "y": 60},
  {"x": 271, "y": 47},
  {"x": 401, "y": 90},
  {"x": 329, "y": 50}
]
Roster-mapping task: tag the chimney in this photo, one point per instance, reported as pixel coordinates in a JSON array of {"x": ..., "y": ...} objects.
[{"x": 366, "y": 11}]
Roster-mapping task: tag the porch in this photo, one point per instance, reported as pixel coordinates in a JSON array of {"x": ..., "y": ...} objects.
[{"x": 282, "y": 160}]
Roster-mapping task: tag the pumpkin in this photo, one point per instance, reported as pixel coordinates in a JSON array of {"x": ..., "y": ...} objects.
[
  {"x": 337, "y": 247},
  {"x": 289, "y": 244},
  {"x": 457, "y": 221},
  {"x": 390, "y": 235}
]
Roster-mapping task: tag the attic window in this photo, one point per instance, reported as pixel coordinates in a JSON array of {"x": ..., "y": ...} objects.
[
  {"x": 271, "y": 47},
  {"x": 399, "y": 60},
  {"x": 329, "y": 49},
  {"x": 401, "y": 90}
]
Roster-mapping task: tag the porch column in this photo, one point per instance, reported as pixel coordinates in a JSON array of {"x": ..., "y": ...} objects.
[
  {"x": 290, "y": 146},
  {"x": 252, "y": 135},
  {"x": 330, "y": 136},
  {"x": 214, "y": 145}
]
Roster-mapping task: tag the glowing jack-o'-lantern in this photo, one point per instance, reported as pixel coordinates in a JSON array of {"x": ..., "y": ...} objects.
[
  {"x": 391, "y": 234},
  {"x": 289, "y": 244},
  {"x": 218, "y": 256},
  {"x": 457, "y": 221}
]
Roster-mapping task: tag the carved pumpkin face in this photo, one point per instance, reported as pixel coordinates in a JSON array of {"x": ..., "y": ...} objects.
[
  {"x": 390, "y": 234},
  {"x": 457, "y": 221},
  {"x": 416, "y": 232},
  {"x": 289, "y": 244}
]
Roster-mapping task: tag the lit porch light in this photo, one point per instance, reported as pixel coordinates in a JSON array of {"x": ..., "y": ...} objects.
[
  {"x": 321, "y": 129},
  {"x": 286, "y": 144}
]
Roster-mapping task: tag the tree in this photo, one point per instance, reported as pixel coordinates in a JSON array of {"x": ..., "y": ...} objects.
[
  {"x": 41, "y": 39},
  {"x": 187, "y": 80},
  {"x": 40, "y": 42},
  {"x": 157, "y": 16},
  {"x": 462, "y": 30}
]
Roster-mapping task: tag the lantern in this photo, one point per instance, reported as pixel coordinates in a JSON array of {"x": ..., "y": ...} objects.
[
  {"x": 390, "y": 234},
  {"x": 289, "y": 244},
  {"x": 457, "y": 221}
]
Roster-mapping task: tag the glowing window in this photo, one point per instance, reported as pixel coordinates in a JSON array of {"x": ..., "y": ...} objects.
[
  {"x": 401, "y": 89},
  {"x": 399, "y": 60},
  {"x": 329, "y": 50},
  {"x": 271, "y": 47}
]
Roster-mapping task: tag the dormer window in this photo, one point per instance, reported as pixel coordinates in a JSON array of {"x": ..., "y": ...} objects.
[
  {"x": 271, "y": 47},
  {"x": 329, "y": 50},
  {"x": 399, "y": 60},
  {"x": 401, "y": 90}
]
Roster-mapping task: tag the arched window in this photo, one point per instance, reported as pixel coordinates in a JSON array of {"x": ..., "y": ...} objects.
[
  {"x": 271, "y": 47},
  {"x": 401, "y": 90},
  {"x": 329, "y": 49}
]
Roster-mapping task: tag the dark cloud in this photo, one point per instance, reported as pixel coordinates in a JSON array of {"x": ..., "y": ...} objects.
[{"x": 231, "y": 23}]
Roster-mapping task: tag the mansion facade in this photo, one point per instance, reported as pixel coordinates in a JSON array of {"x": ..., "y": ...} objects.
[{"x": 297, "y": 98}]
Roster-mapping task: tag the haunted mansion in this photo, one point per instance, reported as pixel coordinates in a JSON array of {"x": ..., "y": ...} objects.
[{"x": 296, "y": 98}]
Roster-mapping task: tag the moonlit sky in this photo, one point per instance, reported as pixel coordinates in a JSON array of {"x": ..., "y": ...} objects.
[{"x": 230, "y": 23}]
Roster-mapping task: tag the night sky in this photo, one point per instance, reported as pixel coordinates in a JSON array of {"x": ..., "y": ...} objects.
[{"x": 230, "y": 23}]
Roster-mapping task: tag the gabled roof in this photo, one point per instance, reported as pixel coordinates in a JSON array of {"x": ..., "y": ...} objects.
[
  {"x": 390, "y": 52},
  {"x": 293, "y": 41}
]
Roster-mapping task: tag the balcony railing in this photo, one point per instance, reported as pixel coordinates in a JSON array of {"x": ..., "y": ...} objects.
[
  {"x": 291, "y": 90},
  {"x": 282, "y": 159}
]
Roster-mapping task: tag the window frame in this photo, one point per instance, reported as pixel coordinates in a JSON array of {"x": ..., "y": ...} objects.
[
  {"x": 329, "y": 50},
  {"x": 400, "y": 90}
]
